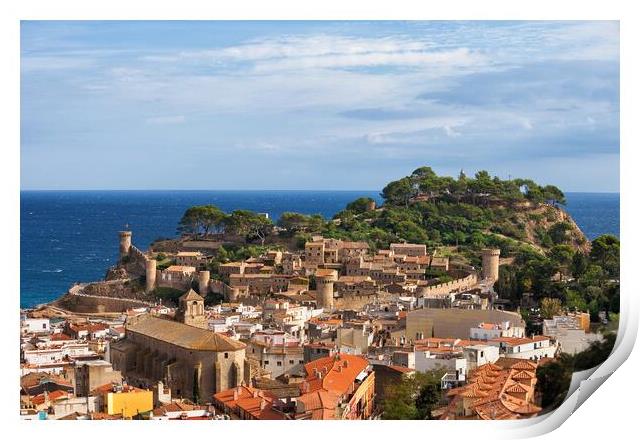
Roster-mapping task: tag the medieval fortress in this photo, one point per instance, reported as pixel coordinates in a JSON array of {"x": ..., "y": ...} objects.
[{"x": 328, "y": 274}]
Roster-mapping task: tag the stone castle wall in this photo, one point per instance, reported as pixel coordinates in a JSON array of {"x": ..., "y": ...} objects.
[
  {"x": 357, "y": 302},
  {"x": 452, "y": 286},
  {"x": 93, "y": 304}
]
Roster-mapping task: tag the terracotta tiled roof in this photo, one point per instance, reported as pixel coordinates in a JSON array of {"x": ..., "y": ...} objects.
[
  {"x": 524, "y": 365},
  {"x": 183, "y": 335},
  {"x": 492, "y": 392},
  {"x": 523, "y": 374},
  {"x": 176, "y": 268},
  {"x": 191, "y": 295},
  {"x": 176, "y": 407},
  {"x": 337, "y": 373},
  {"x": 517, "y": 388},
  {"x": 321, "y": 404},
  {"x": 52, "y": 396}
]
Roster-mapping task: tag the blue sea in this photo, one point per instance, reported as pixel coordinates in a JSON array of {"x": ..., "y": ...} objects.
[{"x": 72, "y": 236}]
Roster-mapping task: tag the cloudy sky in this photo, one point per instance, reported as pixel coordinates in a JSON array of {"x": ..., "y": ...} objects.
[{"x": 316, "y": 105}]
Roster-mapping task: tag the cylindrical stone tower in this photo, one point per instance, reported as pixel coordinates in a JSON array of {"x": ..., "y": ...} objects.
[
  {"x": 150, "y": 266},
  {"x": 203, "y": 282},
  {"x": 125, "y": 243},
  {"x": 324, "y": 287},
  {"x": 490, "y": 264}
]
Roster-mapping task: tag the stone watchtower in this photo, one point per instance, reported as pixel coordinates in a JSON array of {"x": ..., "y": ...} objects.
[
  {"x": 125, "y": 243},
  {"x": 203, "y": 282},
  {"x": 490, "y": 264},
  {"x": 324, "y": 287},
  {"x": 191, "y": 310},
  {"x": 150, "y": 269}
]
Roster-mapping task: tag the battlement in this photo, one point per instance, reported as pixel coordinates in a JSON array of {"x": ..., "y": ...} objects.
[{"x": 449, "y": 287}]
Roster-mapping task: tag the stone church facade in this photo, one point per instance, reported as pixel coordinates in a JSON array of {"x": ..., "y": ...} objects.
[{"x": 195, "y": 363}]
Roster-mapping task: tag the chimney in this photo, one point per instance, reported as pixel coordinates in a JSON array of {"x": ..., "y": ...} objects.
[
  {"x": 255, "y": 393},
  {"x": 263, "y": 404},
  {"x": 235, "y": 394},
  {"x": 345, "y": 363}
]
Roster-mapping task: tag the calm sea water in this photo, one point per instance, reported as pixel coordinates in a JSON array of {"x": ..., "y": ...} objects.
[{"x": 71, "y": 236}]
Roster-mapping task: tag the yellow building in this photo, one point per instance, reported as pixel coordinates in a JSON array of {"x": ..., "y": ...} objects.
[{"x": 128, "y": 401}]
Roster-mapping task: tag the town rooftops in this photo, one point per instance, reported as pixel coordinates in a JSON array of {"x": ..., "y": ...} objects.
[
  {"x": 513, "y": 341},
  {"x": 182, "y": 335},
  {"x": 176, "y": 406},
  {"x": 191, "y": 295},
  {"x": 335, "y": 373},
  {"x": 326, "y": 272},
  {"x": 114, "y": 388},
  {"x": 176, "y": 268},
  {"x": 188, "y": 254},
  {"x": 52, "y": 396}
]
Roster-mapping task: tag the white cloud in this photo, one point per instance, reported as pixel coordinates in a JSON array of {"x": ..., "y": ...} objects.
[
  {"x": 166, "y": 120},
  {"x": 51, "y": 63}
]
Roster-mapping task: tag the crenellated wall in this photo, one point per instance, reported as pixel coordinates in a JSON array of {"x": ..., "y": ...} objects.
[
  {"x": 452, "y": 286},
  {"x": 357, "y": 302}
]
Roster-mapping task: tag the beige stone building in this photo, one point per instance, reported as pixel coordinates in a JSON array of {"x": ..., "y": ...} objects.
[
  {"x": 191, "y": 310},
  {"x": 192, "y": 362},
  {"x": 177, "y": 277},
  {"x": 193, "y": 258},
  {"x": 409, "y": 249}
]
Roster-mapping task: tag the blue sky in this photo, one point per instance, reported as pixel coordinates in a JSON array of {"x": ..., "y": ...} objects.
[{"x": 316, "y": 105}]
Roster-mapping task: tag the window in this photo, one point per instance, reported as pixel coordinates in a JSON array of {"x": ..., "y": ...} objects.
[
  {"x": 266, "y": 362},
  {"x": 291, "y": 362},
  {"x": 279, "y": 364},
  {"x": 301, "y": 362},
  {"x": 226, "y": 355}
]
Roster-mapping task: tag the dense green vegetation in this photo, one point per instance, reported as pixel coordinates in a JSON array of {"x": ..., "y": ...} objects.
[
  {"x": 573, "y": 279},
  {"x": 551, "y": 257},
  {"x": 469, "y": 213},
  {"x": 554, "y": 377},
  {"x": 168, "y": 294},
  {"x": 414, "y": 397},
  {"x": 206, "y": 219}
]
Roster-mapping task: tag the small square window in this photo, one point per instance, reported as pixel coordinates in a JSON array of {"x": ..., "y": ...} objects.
[{"x": 226, "y": 355}]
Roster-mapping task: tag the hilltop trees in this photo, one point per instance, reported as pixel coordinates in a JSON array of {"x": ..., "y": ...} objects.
[
  {"x": 294, "y": 222},
  {"x": 360, "y": 205},
  {"x": 249, "y": 224},
  {"x": 605, "y": 252},
  {"x": 201, "y": 220},
  {"x": 479, "y": 190}
]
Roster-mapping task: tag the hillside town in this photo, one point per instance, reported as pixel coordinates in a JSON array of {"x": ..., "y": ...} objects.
[{"x": 324, "y": 333}]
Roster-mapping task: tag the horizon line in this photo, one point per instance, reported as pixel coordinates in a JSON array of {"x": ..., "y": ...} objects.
[{"x": 241, "y": 190}]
